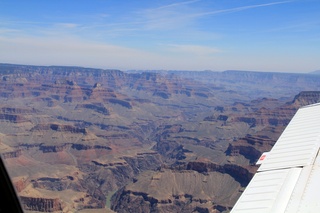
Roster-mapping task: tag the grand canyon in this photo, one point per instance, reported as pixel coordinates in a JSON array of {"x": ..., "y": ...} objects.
[{"x": 80, "y": 139}]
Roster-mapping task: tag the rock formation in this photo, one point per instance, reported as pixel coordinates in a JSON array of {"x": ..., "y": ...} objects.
[{"x": 41, "y": 204}]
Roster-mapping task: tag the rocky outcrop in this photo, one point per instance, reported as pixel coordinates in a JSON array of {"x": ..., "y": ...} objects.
[
  {"x": 103, "y": 177},
  {"x": 279, "y": 116},
  {"x": 170, "y": 148},
  {"x": 265, "y": 118},
  {"x": 165, "y": 86},
  {"x": 52, "y": 148},
  {"x": 306, "y": 98},
  {"x": 122, "y": 103},
  {"x": 239, "y": 173},
  {"x": 142, "y": 203},
  {"x": 59, "y": 128},
  {"x": 66, "y": 90},
  {"x": 162, "y": 94},
  {"x": 13, "y": 154},
  {"x": 12, "y": 110},
  {"x": 13, "y": 118},
  {"x": 171, "y": 191},
  {"x": 56, "y": 184},
  {"x": 100, "y": 179},
  {"x": 95, "y": 107},
  {"x": 144, "y": 161},
  {"x": 29, "y": 146},
  {"x": 248, "y": 152},
  {"x": 201, "y": 94},
  {"x": 41, "y": 204},
  {"x": 252, "y": 146},
  {"x": 98, "y": 92},
  {"x": 112, "y": 164},
  {"x": 86, "y": 147}
]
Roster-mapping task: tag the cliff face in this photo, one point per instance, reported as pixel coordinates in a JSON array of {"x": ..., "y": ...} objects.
[
  {"x": 252, "y": 146},
  {"x": 59, "y": 127},
  {"x": 13, "y": 118},
  {"x": 119, "y": 173},
  {"x": 240, "y": 174},
  {"x": 306, "y": 98},
  {"x": 274, "y": 121},
  {"x": 12, "y": 110},
  {"x": 93, "y": 182},
  {"x": 95, "y": 107},
  {"x": 58, "y": 184},
  {"x": 41, "y": 204},
  {"x": 13, "y": 154},
  {"x": 170, "y": 191}
]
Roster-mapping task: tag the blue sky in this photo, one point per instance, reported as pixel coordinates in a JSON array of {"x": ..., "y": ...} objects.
[{"x": 170, "y": 34}]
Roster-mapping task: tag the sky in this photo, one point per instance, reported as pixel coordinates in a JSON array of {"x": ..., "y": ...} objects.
[{"x": 256, "y": 35}]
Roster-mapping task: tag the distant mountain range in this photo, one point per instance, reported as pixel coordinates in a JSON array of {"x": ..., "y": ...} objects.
[{"x": 315, "y": 72}]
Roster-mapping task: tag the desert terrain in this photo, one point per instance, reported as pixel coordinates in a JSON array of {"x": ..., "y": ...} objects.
[{"x": 90, "y": 140}]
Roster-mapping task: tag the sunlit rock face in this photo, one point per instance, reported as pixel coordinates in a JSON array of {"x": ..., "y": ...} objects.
[{"x": 78, "y": 138}]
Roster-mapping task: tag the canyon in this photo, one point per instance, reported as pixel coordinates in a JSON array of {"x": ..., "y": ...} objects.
[{"x": 88, "y": 140}]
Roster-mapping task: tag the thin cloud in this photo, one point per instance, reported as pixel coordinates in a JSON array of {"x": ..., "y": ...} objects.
[
  {"x": 17, "y": 22},
  {"x": 167, "y": 17},
  {"x": 300, "y": 27},
  {"x": 176, "y": 4},
  {"x": 175, "y": 15},
  {"x": 237, "y": 9},
  {"x": 192, "y": 49},
  {"x": 67, "y": 25},
  {"x": 103, "y": 15},
  {"x": 71, "y": 51},
  {"x": 8, "y": 30}
]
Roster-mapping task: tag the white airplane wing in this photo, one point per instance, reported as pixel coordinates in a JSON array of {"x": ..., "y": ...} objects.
[{"x": 288, "y": 179}]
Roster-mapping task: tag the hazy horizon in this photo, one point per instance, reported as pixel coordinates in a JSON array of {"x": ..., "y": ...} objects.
[{"x": 194, "y": 35}]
